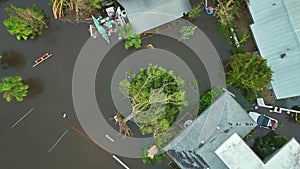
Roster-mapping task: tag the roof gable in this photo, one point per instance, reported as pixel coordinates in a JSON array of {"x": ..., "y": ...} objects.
[{"x": 216, "y": 124}]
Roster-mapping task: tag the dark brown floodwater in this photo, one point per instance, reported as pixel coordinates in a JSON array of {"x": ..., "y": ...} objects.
[{"x": 26, "y": 145}]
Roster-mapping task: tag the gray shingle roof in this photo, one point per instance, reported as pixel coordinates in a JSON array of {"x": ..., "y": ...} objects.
[
  {"x": 215, "y": 125},
  {"x": 276, "y": 30},
  {"x": 148, "y": 14}
]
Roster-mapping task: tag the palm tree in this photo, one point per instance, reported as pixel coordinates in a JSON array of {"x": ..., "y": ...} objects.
[{"x": 13, "y": 87}]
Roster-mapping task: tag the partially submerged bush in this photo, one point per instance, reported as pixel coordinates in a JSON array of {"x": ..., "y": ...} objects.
[
  {"x": 186, "y": 32},
  {"x": 295, "y": 116},
  {"x": 25, "y": 23},
  {"x": 131, "y": 37},
  {"x": 147, "y": 159},
  {"x": 195, "y": 12}
]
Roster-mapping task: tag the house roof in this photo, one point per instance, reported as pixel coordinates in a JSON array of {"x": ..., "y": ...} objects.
[
  {"x": 276, "y": 30},
  {"x": 288, "y": 157},
  {"x": 235, "y": 153},
  {"x": 148, "y": 14},
  {"x": 193, "y": 148}
]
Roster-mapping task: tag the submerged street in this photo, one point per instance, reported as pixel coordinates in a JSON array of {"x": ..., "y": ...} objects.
[{"x": 36, "y": 133}]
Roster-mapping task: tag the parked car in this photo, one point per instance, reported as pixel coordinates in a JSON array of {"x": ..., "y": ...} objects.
[{"x": 264, "y": 121}]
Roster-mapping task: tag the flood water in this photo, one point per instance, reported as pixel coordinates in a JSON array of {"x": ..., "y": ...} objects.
[{"x": 27, "y": 144}]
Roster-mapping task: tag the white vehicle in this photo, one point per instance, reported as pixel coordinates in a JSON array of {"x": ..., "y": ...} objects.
[{"x": 264, "y": 121}]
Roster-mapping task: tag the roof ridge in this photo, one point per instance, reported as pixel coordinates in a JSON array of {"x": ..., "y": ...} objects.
[{"x": 291, "y": 21}]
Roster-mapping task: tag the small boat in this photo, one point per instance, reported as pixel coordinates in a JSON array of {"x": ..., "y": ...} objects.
[{"x": 42, "y": 58}]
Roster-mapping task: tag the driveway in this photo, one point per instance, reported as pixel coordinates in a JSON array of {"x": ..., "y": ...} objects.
[{"x": 290, "y": 129}]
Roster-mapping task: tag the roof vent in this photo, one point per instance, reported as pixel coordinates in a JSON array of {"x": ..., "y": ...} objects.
[
  {"x": 187, "y": 123},
  {"x": 282, "y": 56}
]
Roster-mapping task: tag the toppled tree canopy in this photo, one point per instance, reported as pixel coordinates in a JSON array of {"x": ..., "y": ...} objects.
[
  {"x": 156, "y": 99},
  {"x": 79, "y": 9}
]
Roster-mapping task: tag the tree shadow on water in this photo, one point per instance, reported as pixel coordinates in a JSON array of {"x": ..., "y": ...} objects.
[
  {"x": 35, "y": 86},
  {"x": 13, "y": 59}
]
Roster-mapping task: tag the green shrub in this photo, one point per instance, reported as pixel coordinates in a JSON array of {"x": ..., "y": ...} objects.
[
  {"x": 250, "y": 134},
  {"x": 238, "y": 50},
  {"x": 134, "y": 41},
  {"x": 13, "y": 87},
  {"x": 147, "y": 159},
  {"x": 25, "y": 23},
  {"x": 250, "y": 73},
  {"x": 280, "y": 126},
  {"x": 96, "y": 3},
  {"x": 209, "y": 97},
  {"x": 245, "y": 36},
  {"x": 266, "y": 146},
  {"x": 251, "y": 95},
  {"x": 225, "y": 30},
  {"x": 293, "y": 115},
  {"x": 186, "y": 32},
  {"x": 131, "y": 37},
  {"x": 195, "y": 12}
]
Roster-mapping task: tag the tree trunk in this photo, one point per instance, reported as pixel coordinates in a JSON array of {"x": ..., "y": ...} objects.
[
  {"x": 77, "y": 11},
  {"x": 71, "y": 5},
  {"x": 60, "y": 12},
  {"x": 130, "y": 116},
  {"x": 54, "y": 9}
]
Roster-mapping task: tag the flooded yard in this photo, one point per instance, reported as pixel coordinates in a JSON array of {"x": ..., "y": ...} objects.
[{"x": 27, "y": 144}]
